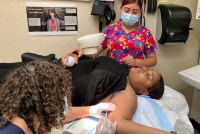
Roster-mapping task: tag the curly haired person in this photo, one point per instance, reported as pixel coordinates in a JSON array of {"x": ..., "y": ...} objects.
[{"x": 33, "y": 98}]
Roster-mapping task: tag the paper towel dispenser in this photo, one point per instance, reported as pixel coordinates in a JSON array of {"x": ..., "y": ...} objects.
[{"x": 173, "y": 23}]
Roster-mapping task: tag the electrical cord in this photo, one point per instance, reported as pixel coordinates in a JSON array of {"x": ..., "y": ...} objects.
[
  {"x": 142, "y": 17},
  {"x": 145, "y": 1},
  {"x": 198, "y": 60},
  {"x": 152, "y": 6},
  {"x": 199, "y": 57}
]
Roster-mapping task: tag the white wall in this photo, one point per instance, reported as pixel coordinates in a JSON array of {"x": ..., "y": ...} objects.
[{"x": 14, "y": 39}]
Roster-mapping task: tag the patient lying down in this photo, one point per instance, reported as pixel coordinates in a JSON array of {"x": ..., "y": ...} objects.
[{"x": 104, "y": 80}]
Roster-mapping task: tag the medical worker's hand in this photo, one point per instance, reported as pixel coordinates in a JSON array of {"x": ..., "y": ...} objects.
[
  {"x": 130, "y": 61},
  {"x": 96, "y": 110},
  {"x": 105, "y": 126}
]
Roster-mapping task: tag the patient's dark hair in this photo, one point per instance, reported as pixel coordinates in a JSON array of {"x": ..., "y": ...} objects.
[
  {"x": 157, "y": 90},
  {"x": 36, "y": 88}
]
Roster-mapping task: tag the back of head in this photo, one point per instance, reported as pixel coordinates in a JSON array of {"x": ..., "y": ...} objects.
[
  {"x": 157, "y": 90},
  {"x": 126, "y": 2},
  {"x": 38, "y": 87}
]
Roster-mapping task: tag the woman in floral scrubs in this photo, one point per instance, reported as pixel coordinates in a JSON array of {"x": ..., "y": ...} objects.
[{"x": 127, "y": 41}]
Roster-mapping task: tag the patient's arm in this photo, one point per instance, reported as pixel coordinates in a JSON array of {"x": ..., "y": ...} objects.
[
  {"x": 77, "y": 50},
  {"x": 74, "y": 113},
  {"x": 95, "y": 110},
  {"x": 126, "y": 105}
]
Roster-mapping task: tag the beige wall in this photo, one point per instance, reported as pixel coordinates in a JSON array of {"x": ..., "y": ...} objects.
[
  {"x": 172, "y": 59},
  {"x": 14, "y": 31},
  {"x": 14, "y": 39}
]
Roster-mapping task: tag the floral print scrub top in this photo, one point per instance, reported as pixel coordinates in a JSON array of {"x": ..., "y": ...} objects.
[{"x": 120, "y": 44}]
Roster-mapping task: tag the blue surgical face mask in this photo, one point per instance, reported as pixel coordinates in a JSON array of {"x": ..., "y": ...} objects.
[{"x": 129, "y": 19}]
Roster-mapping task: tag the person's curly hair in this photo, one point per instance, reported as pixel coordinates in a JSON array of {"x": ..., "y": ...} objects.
[{"x": 38, "y": 87}]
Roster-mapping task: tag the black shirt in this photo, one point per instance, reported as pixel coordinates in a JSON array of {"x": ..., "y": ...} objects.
[{"x": 95, "y": 79}]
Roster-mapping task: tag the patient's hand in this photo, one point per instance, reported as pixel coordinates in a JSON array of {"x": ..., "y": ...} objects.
[{"x": 65, "y": 59}]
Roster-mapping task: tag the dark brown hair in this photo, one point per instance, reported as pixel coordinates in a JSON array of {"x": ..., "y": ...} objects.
[
  {"x": 36, "y": 88},
  {"x": 126, "y": 2},
  {"x": 157, "y": 90}
]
